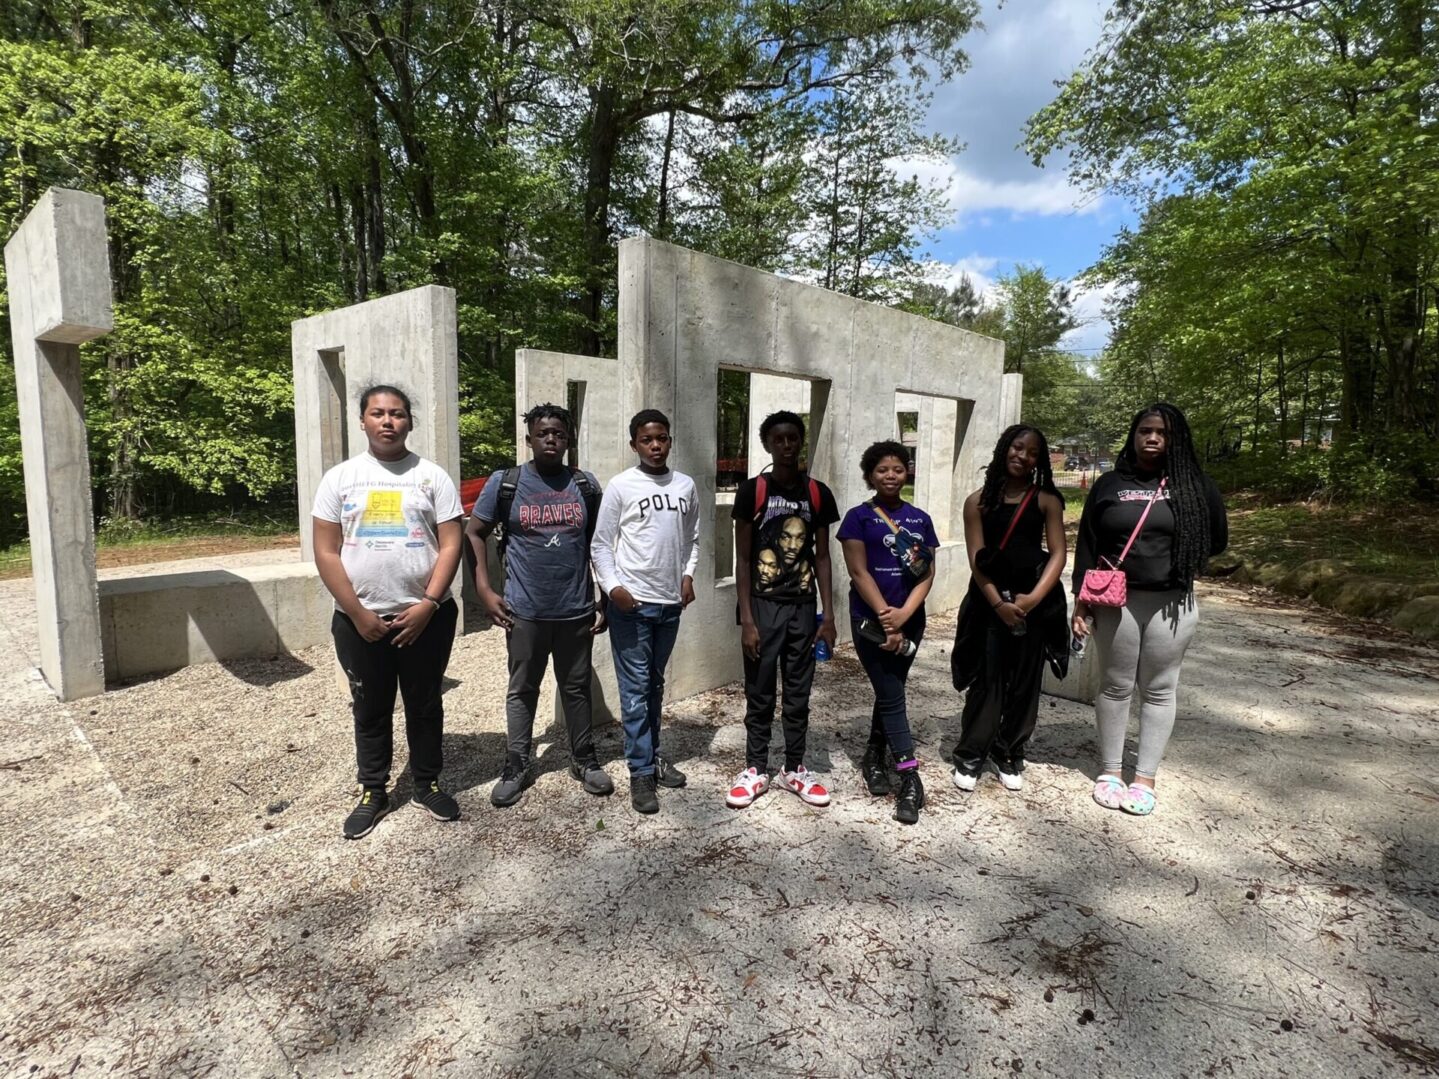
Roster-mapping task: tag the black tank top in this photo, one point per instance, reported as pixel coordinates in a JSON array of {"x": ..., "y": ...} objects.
[{"x": 1026, "y": 545}]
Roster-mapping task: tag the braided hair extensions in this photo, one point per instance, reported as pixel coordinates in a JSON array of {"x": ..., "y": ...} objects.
[
  {"x": 992, "y": 493},
  {"x": 1186, "y": 487}
]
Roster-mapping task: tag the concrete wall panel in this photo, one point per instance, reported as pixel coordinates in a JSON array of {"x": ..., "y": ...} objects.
[
  {"x": 406, "y": 340},
  {"x": 168, "y": 621},
  {"x": 58, "y": 273},
  {"x": 685, "y": 315}
]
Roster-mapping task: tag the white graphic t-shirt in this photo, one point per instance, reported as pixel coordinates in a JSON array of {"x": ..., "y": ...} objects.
[{"x": 389, "y": 513}]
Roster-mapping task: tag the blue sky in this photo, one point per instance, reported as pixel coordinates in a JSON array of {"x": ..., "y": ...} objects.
[{"x": 1004, "y": 209}]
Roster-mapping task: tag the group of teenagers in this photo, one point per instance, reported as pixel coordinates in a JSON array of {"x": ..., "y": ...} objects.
[{"x": 390, "y": 534}]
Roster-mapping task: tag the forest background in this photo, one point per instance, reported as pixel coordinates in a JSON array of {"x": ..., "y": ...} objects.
[{"x": 262, "y": 161}]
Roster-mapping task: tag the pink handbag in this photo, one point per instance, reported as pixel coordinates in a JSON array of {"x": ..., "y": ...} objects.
[{"x": 1110, "y": 587}]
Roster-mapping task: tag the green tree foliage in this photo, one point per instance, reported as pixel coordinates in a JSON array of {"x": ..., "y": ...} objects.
[
  {"x": 263, "y": 161},
  {"x": 1281, "y": 282}
]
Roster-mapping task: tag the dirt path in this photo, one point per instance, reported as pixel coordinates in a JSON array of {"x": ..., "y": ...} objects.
[{"x": 177, "y": 899}]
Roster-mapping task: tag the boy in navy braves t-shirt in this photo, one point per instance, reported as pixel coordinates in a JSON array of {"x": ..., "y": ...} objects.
[{"x": 548, "y": 608}]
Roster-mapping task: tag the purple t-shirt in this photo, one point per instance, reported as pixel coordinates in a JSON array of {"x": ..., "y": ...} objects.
[{"x": 895, "y": 583}]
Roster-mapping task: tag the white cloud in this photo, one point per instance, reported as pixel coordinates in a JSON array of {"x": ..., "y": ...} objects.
[
  {"x": 1094, "y": 329},
  {"x": 971, "y": 195},
  {"x": 980, "y": 269}
]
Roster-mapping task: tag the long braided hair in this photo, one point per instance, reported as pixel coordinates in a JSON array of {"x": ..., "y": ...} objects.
[
  {"x": 1186, "y": 488},
  {"x": 992, "y": 493}
]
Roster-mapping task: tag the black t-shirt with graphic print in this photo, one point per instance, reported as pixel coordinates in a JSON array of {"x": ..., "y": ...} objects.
[{"x": 782, "y": 552}]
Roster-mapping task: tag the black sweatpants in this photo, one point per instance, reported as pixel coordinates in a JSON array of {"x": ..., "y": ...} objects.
[
  {"x": 786, "y": 651},
  {"x": 375, "y": 669},
  {"x": 531, "y": 644},
  {"x": 1002, "y": 706}
]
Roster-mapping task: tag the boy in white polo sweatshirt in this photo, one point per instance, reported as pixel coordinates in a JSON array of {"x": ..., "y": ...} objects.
[{"x": 645, "y": 550}]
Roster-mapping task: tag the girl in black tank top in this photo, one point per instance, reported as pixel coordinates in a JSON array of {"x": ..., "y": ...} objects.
[{"x": 1013, "y": 618}]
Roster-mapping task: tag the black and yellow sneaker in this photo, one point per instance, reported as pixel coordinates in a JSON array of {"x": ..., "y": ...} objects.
[
  {"x": 374, "y": 804},
  {"x": 439, "y": 804}
]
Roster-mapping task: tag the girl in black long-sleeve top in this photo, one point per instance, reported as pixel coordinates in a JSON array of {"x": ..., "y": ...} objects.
[{"x": 1145, "y": 640}]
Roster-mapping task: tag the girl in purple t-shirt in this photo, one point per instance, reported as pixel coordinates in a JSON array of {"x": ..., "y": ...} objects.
[{"x": 886, "y": 608}]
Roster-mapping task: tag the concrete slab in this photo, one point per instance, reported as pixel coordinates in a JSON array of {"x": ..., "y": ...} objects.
[
  {"x": 58, "y": 275},
  {"x": 162, "y": 622},
  {"x": 1274, "y": 918}
]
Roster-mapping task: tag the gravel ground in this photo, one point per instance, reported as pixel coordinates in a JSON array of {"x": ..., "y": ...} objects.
[{"x": 177, "y": 899}]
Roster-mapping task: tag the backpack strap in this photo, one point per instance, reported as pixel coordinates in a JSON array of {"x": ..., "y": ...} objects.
[
  {"x": 591, "y": 495},
  {"x": 509, "y": 485},
  {"x": 761, "y": 494}
]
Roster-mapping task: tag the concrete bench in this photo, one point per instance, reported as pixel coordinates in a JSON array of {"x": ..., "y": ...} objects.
[{"x": 172, "y": 620}]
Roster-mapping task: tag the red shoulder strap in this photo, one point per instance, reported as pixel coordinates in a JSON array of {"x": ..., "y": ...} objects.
[
  {"x": 814, "y": 498},
  {"x": 761, "y": 492}
]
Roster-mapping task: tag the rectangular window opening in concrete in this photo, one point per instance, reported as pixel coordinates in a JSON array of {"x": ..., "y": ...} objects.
[
  {"x": 934, "y": 428},
  {"x": 744, "y": 399},
  {"x": 731, "y": 461},
  {"x": 334, "y": 424},
  {"x": 575, "y": 402}
]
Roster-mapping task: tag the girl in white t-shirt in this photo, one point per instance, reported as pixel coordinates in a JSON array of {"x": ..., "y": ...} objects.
[{"x": 387, "y": 542}]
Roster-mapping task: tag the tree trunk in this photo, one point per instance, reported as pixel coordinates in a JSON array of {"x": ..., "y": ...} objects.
[
  {"x": 662, "y": 224},
  {"x": 603, "y": 143}
]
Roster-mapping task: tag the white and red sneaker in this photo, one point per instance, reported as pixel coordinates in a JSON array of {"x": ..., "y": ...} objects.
[
  {"x": 747, "y": 786},
  {"x": 802, "y": 783}
]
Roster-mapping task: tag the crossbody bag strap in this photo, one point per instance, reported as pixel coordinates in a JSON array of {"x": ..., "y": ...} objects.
[
  {"x": 1029, "y": 494},
  {"x": 1140, "y": 526},
  {"x": 884, "y": 516}
]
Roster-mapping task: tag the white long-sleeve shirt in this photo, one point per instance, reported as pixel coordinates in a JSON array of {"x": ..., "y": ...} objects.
[{"x": 647, "y": 535}]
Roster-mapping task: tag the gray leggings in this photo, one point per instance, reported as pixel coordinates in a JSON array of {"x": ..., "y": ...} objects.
[{"x": 1145, "y": 641}]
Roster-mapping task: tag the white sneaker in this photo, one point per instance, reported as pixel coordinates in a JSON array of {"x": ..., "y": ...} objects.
[
  {"x": 802, "y": 782},
  {"x": 963, "y": 780},
  {"x": 747, "y": 786},
  {"x": 1012, "y": 781}
]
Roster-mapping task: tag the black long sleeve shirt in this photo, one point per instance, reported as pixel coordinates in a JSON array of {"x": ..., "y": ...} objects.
[{"x": 1112, "y": 510}]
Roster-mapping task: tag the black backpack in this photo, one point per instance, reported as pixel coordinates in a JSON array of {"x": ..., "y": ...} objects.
[{"x": 510, "y": 484}]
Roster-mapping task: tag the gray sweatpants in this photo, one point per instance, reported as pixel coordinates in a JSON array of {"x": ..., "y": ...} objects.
[{"x": 1142, "y": 641}]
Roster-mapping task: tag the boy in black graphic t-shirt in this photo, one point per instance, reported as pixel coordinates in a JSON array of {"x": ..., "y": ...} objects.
[{"x": 782, "y": 521}]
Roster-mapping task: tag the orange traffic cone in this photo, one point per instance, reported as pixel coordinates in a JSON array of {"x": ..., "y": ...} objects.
[{"x": 1083, "y": 480}]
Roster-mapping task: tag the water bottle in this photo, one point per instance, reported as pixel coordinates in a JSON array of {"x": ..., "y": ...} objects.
[
  {"x": 1020, "y": 628},
  {"x": 907, "y": 647},
  {"x": 821, "y": 646},
  {"x": 1076, "y": 646}
]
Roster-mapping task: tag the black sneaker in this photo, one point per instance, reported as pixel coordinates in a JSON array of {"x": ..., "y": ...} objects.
[
  {"x": 642, "y": 794},
  {"x": 874, "y": 770},
  {"x": 374, "y": 804},
  {"x": 510, "y": 786},
  {"x": 667, "y": 775},
  {"x": 440, "y": 805},
  {"x": 594, "y": 778},
  {"x": 910, "y": 799}
]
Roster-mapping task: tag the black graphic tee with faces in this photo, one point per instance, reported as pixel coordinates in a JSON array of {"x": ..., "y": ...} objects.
[{"x": 782, "y": 549}]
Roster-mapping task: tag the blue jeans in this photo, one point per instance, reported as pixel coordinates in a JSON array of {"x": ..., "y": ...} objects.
[{"x": 641, "y": 642}]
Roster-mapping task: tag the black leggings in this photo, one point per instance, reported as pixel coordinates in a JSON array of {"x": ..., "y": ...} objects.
[{"x": 375, "y": 669}]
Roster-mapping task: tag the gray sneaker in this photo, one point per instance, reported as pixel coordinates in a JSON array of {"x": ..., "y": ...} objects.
[
  {"x": 508, "y": 790},
  {"x": 594, "y": 778}
]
